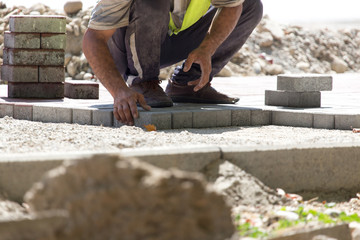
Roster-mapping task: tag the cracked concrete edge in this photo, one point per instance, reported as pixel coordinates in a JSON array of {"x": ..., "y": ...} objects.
[
  {"x": 321, "y": 168},
  {"x": 19, "y": 171}
]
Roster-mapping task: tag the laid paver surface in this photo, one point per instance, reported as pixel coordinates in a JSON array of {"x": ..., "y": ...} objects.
[{"x": 339, "y": 108}]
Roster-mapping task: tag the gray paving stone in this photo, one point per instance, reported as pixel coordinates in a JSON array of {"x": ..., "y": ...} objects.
[
  {"x": 293, "y": 99},
  {"x": 47, "y": 57},
  {"x": 37, "y": 24},
  {"x": 36, "y": 90},
  {"x": 23, "y": 112},
  {"x": 304, "y": 83},
  {"x": 182, "y": 119},
  {"x": 49, "y": 74},
  {"x": 294, "y": 119},
  {"x": 117, "y": 124},
  {"x": 240, "y": 117},
  {"x": 103, "y": 117},
  {"x": 162, "y": 120},
  {"x": 260, "y": 117},
  {"x": 23, "y": 74},
  {"x": 325, "y": 121},
  {"x": 82, "y": 116},
  {"x": 81, "y": 89},
  {"x": 53, "y": 41},
  {"x": 223, "y": 118},
  {"x": 21, "y": 40},
  {"x": 52, "y": 114},
  {"x": 347, "y": 121},
  {"x": 204, "y": 118},
  {"x": 6, "y": 109}
]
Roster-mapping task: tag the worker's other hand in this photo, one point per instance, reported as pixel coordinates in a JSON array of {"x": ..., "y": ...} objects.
[
  {"x": 125, "y": 108},
  {"x": 203, "y": 58}
]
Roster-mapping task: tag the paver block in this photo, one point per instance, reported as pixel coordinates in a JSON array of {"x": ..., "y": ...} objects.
[
  {"x": 162, "y": 120},
  {"x": 204, "y": 118},
  {"x": 260, "y": 117},
  {"x": 347, "y": 121},
  {"x": 81, "y": 89},
  {"x": 82, "y": 116},
  {"x": 21, "y": 40},
  {"x": 37, "y": 24},
  {"x": 47, "y": 57},
  {"x": 223, "y": 118},
  {"x": 304, "y": 83},
  {"x": 35, "y": 90},
  {"x": 293, "y": 99},
  {"x": 52, "y": 114},
  {"x": 102, "y": 117},
  {"x": 49, "y": 74},
  {"x": 53, "y": 41},
  {"x": 240, "y": 117},
  {"x": 23, "y": 112},
  {"x": 325, "y": 121},
  {"x": 14, "y": 73},
  {"x": 182, "y": 120},
  {"x": 6, "y": 110},
  {"x": 294, "y": 119},
  {"x": 329, "y": 232}
]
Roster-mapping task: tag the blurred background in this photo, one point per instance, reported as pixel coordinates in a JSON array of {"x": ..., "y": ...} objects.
[{"x": 284, "y": 11}]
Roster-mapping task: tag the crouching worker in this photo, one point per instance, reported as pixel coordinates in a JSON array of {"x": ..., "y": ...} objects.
[{"x": 129, "y": 41}]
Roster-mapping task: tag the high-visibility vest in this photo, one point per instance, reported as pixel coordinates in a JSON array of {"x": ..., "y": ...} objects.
[{"x": 195, "y": 10}]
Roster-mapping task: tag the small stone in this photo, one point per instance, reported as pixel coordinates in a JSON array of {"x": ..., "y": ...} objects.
[
  {"x": 257, "y": 67},
  {"x": 266, "y": 39},
  {"x": 274, "y": 69},
  {"x": 303, "y": 66},
  {"x": 338, "y": 65},
  {"x": 88, "y": 76},
  {"x": 80, "y": 76},
  {"x": 72, "y": 7},
  {"x": 225, "y": 72}
]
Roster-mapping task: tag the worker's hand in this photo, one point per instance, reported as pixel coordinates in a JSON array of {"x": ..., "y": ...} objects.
[
  {"x": 125, "y": 108},
  {"x": 202, "y": 57}
]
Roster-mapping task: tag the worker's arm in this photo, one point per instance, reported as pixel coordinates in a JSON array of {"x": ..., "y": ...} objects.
[
  {"x": 98, "y": 55},
  {"x": 221, "y": 27}
]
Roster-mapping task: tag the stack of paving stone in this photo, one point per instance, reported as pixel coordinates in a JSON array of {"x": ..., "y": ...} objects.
[
  {"x": 33, "y": 59},
  {"x": 298, "y": 91}
]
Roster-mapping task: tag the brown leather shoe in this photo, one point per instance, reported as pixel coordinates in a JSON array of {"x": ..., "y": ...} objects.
[
  {"x": 186, "y": 94},
  {"x": 153, "y": 93}
]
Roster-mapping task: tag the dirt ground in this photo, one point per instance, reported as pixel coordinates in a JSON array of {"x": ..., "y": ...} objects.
[{"x": 54, "y": 137}]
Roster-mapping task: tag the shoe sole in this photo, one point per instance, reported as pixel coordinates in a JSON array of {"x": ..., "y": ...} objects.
[{"x": 200, "y": 100}]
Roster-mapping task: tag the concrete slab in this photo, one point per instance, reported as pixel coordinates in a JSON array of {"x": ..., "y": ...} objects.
[
  {"x": 103, "y": 117},
  {"x": 53, "y": 41},
  {"x": 35, "y": 90},
  {"x": 82, "y": 116},
  {"x": 23, "y": 74},
  {"x": 23, "y": 112},
  {"x": 37, "y": 23},
  {"x": 41, "y": 57},
  {"x": 52, "y": 114},
  {"x": 6, "y": 110},
  {"x": 342, "y": 102},
  {"x": 81, "y": 89},
  {"x": 51, "y": 74},
  {"x": 21, "y": 40},
  {"x": 304, "y": 83},
  {"x": 293, "y": 99}
]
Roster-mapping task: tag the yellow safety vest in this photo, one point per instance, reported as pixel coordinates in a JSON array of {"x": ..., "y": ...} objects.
[{"x": 195, "y": 10}]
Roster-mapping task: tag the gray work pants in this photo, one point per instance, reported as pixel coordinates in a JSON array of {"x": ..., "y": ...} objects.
[{"x": 142, "y": 48}]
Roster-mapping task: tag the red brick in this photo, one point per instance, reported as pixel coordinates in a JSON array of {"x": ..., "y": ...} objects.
[
  {"x": 21, "y": 40},
  {"x": 13, "y": 73},
  {"x": 42, "y": 57},
  {"x": 81, "y": 89},
  {"x": 36, "y": 90},
  {"x": 51, "y": 74}
]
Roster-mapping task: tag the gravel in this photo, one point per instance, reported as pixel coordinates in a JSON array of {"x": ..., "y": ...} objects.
[{"x": 20, "y": 136}]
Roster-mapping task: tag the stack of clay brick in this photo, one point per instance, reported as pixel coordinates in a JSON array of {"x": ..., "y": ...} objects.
[
  {"x": 33, "y": 59},
  {"x": 298, "y": 91}
]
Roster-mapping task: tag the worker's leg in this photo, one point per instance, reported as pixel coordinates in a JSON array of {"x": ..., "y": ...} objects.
[
  {"x": 177, "y": 47},
  {"x": 136, "y": 49}
]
